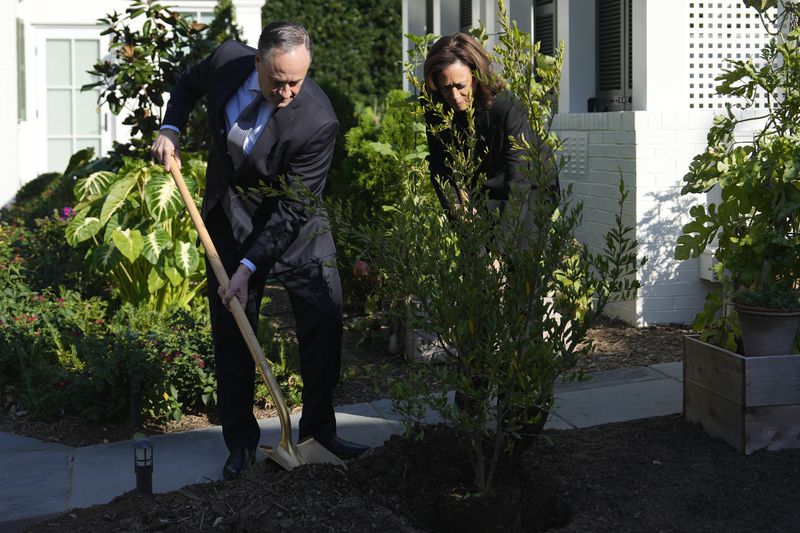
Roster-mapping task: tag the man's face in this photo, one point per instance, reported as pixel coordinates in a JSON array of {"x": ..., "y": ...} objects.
[
  {"x": 455, "y": 85},
  {"x": 281, "y": 74}
]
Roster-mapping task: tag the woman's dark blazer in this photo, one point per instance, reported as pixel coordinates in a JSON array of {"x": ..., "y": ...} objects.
[{"x": 500, "y": 162}]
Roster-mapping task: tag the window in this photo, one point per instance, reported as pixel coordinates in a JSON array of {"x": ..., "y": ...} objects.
[
  {"x": 204, "y": 17},
  {"x": 614, "y": 56},
  {"x": 544, "y": 25}
]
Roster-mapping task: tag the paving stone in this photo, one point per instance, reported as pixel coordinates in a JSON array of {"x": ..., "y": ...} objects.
[
  {"x": 33, "y": 483},
  {"x": 630, "y": 401},
  {"x": 673, "y": 370}
]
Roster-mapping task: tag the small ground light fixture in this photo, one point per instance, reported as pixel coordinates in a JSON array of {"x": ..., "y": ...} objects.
[{"x": 143, "y": 465}]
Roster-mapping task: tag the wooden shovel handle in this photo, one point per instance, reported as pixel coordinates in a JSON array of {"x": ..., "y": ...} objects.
[{"x": 236, "y": 307}]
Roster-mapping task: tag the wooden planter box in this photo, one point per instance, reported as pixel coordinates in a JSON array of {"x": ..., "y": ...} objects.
[{"x": 750, "y": 402}]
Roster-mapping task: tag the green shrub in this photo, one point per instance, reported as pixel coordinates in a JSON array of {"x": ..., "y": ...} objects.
[
  {"x": 383, "y": 149},
  {"x": 356, "y": 44},
  {"x": 510, "y": 319},
  {"x": 285, "y": 364},
  {"x": 139, "y": 232}
]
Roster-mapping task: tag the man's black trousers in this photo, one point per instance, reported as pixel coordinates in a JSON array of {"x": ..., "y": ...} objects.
[{"x": 315, "y": 294}]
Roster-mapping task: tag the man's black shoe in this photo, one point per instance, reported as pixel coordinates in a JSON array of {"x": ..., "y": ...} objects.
[
  {"x": 341, "y": 448},
  {"x": 238, "y": 461}
]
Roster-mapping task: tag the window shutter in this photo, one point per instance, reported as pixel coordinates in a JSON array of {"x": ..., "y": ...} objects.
[
  {"x": 614, "y": 55},
  {"x": 465, "y": 15},
  {"x": 544, "y": 25},
  {"x": 428, "y": 16}
]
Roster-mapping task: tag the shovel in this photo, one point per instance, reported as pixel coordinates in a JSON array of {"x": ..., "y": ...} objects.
[{"x": 285, "y": 454}]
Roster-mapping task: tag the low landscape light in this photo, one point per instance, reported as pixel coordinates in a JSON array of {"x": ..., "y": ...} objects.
[{"x": 143, "y": 465}]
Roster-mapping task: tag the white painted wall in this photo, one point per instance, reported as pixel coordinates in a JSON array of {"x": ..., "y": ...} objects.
[
  {"x": 661, "y": 55},
  {"x": 9, "y": 178}
]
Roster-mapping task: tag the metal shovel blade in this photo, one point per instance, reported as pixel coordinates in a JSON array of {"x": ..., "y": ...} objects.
[{"x": 308, "y": 451}]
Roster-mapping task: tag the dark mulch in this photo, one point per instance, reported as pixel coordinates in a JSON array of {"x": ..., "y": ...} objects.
[{"x": 659, "y": 474}]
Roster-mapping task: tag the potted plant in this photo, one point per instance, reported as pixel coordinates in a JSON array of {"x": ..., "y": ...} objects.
[{"x": 756, "y": 224}]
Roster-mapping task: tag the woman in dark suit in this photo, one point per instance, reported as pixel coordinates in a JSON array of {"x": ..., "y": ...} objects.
[{"x": 459, "y": 75}]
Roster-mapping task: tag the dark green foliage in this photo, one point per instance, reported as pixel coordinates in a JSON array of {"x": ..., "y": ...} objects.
[
  {"x": 223, "y": 27},
  {"x": 39, "y": 197},
  {"x": 356, "y": 43}
]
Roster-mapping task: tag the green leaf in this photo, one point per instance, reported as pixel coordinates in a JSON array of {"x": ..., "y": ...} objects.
[
  {"x": 154, "y": 281},
  {"x": 162, "y": 197},
  {"x": 381, "y": 148},
  {"x": 105, "y": 257},
  {"x": 116, "y": 196},
  {"x": 186, "y": 258},
  {"x": 82, "y": 227},
  {"x": 155, "y": 243},
  {"x": 93, "y": 184},
  {"x": 129, "y": 242},
  {"x": 114, "y": 223},
  {"x": 173, "y": 275}
]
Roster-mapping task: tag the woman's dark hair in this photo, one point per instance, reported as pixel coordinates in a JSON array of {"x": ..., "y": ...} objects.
[{"x": 465, "y": 49}]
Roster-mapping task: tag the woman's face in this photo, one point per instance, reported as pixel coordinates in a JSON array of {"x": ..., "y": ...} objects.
[{"x": 455, "y": 86}]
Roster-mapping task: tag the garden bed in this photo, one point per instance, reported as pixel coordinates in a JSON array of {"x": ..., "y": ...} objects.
[
  {"x": 367, "y": 370},
  {"x": 659, "y": 474}
]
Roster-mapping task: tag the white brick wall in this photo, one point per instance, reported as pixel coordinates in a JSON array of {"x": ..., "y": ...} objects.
[{"x": 654, "y": 150}]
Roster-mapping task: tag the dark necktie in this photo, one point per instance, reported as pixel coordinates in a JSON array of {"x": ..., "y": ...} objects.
[{"x": 241, "y": 129}]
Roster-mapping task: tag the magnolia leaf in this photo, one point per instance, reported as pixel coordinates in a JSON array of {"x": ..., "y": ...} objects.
[
  {"x": 155, "y": 243},
  {"x": 81, "y": 227},
  {"x": 93, "y": 184},
  {"x": 154, "y": 281},
  {"x": 116, "y": 196},
  {"x": 129, "y": 242},
  {"x": 186, "y": 258},
  {"x": 162, "y": 197}
]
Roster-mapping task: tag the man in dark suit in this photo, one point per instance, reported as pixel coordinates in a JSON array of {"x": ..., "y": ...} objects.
[{"x": 268, "y": 121}]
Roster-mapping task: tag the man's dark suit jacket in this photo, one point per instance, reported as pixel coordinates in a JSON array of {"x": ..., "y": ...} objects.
[
  {"x": 500, "y": 163},
  {"x": 297, "y": 144}
]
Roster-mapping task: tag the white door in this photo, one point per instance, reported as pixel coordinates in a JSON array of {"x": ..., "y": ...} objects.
[{"x": 69, "y": 119}]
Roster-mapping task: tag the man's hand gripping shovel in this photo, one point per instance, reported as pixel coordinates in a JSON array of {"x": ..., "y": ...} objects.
[{"x": 285, "y": 454}]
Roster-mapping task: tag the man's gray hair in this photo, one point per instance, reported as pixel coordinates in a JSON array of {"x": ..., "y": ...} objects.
[{"x": 283, "y": 36}]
